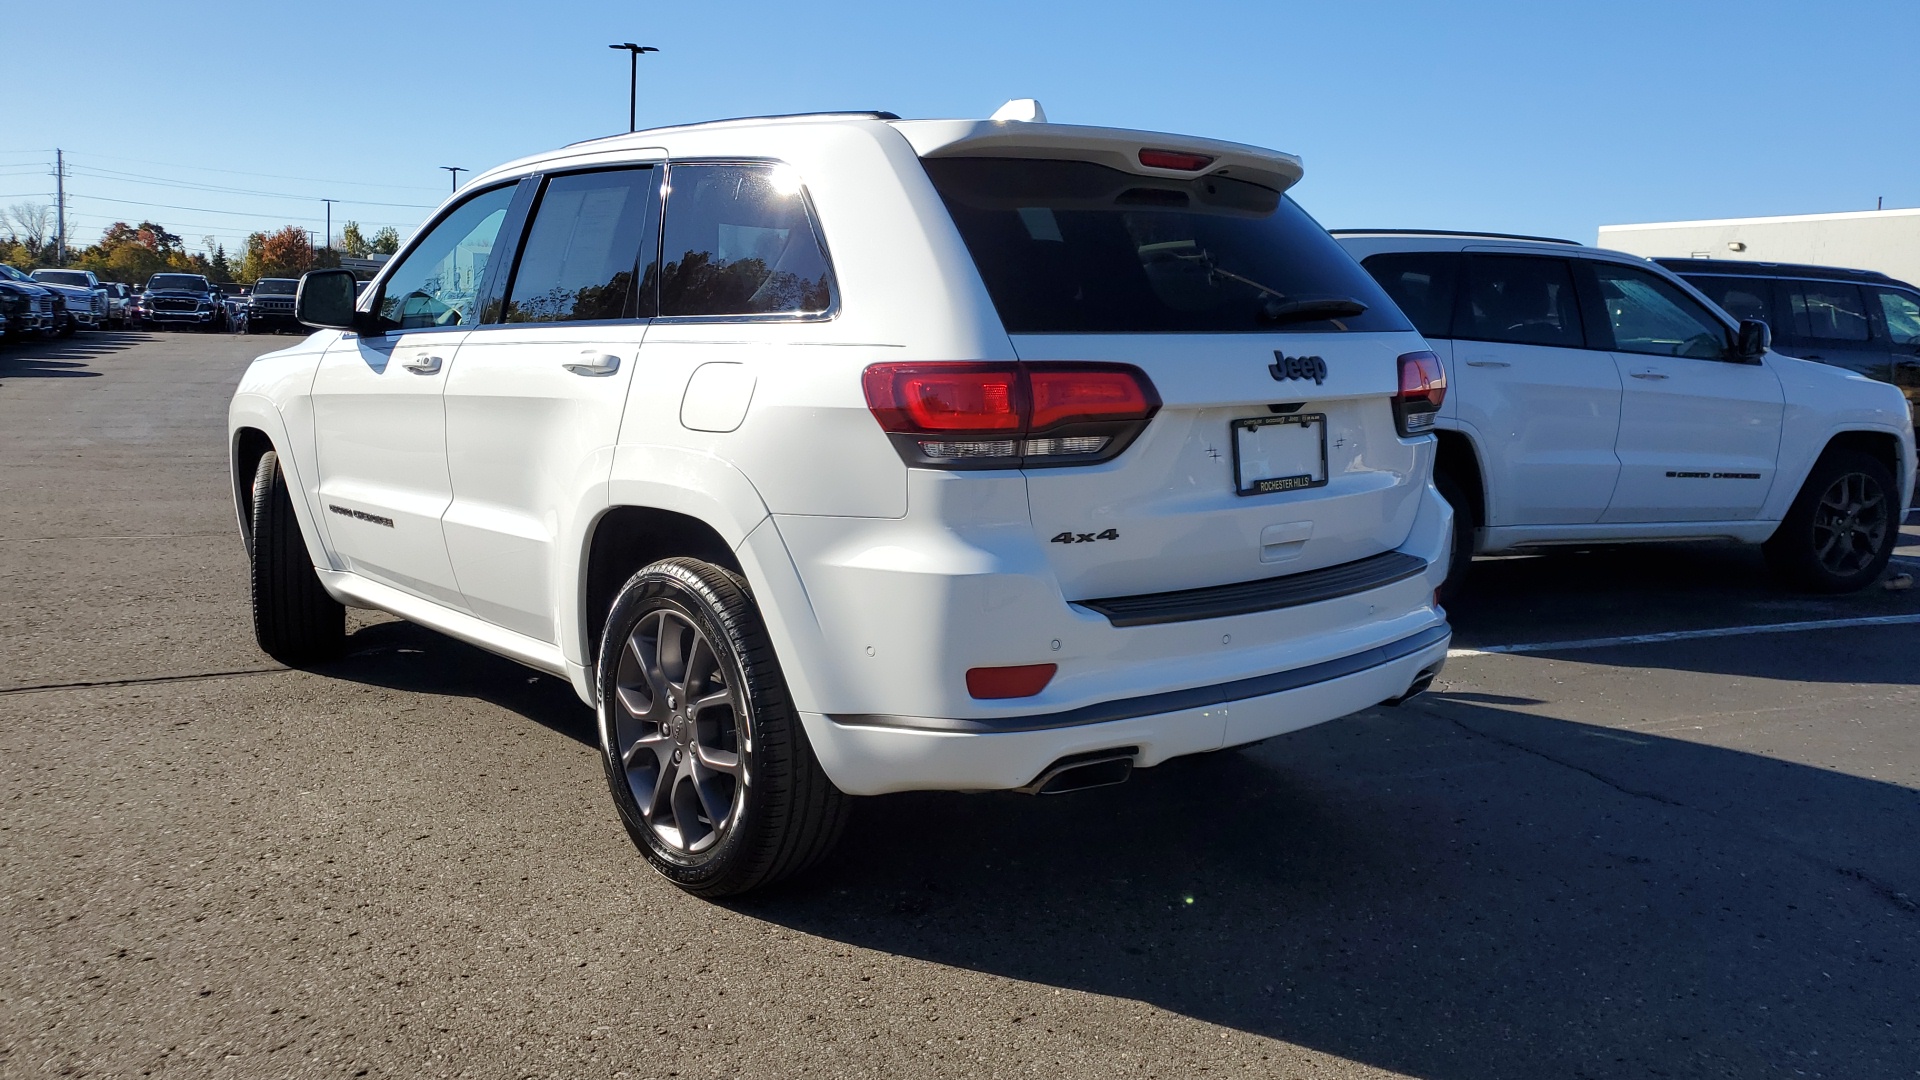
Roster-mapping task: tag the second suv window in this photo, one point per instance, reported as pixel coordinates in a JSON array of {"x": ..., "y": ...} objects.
[
  {"x": 739, "y": 241},
  {"x": 1652, "y": 315},
  {"x": 1523, "y": 300},
  {"x": 589, "y": 237},
  {"x": 1422, "y": 283}
]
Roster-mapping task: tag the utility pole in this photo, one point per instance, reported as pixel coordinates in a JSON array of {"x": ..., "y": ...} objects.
[
  {"x": 456, "y": 170},
  {"x": 633, "y": 75},
  {"x": 329, "y": 203},
  {"x": 60, "y": 206}
]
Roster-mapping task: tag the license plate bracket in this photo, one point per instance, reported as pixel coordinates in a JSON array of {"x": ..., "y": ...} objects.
[{"x": 1279, "y": 453}]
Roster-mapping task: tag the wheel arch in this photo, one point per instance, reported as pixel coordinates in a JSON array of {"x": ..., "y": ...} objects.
[
  {"x": 622, "y": 540},
  {"x": 1882, "y": 446},
  {"x": 250, "y": 444},
  {"x": 1459, "y": 458}
]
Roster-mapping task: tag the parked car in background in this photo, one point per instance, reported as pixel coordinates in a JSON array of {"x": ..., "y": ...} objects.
[
  {"x": 29, "y": 309},
  {"x": 187, "y": 300},
  {"x": 1596, "y": 397},
  {"x": 270, "y": 308},
  {"x": 119, "y": 300},
  {"x": 235, "y": 296},
  {"x": 1861, "y": 320},
  {"x": 87, "y": 305},
  {"x": 963, "y": 455},
  {"x": 50, "y": 304}
]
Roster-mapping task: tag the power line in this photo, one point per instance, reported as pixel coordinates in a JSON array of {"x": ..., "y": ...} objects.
[
  {"x": 271, "y": 176},
  {"x": 232, "y": 213},
  {"x": 129, "y": 178}
]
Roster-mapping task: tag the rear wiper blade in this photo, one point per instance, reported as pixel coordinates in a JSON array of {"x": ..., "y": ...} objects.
[{"x": 1310, "y": 309}]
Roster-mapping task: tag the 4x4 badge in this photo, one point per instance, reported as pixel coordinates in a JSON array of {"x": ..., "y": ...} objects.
[{"x": 1297, "y": 367}]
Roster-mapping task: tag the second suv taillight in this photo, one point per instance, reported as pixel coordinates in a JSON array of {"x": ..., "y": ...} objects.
[
  {"x": 970, "y": 415},
  {"x": 1423, "y": 386}
]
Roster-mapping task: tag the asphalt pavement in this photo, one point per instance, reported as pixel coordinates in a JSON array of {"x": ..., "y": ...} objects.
[{"x": 1676, "y": 858}]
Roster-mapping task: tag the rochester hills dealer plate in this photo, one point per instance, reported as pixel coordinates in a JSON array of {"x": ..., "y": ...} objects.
[{"x": 1279, "y": 453}]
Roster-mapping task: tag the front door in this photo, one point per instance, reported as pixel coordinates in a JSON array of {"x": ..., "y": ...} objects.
[
  {"x": 380, "y": 440},
  {"x": 1699, "y": 430},
  {"x": 1899, "y": 322},
  {"x": 1543, "y": 407},
  {"x": 534, "y": 407}
]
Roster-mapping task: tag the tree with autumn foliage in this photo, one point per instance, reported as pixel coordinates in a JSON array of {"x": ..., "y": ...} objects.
[{"x": 283, "y": 254}]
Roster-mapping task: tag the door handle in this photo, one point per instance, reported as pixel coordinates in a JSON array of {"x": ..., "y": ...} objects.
[
  {"x": 1488, "y": 363},
  {"x": 423, "y": 365},
  {"x": 1648, "y": 375},
  {"x": 593, "y": 363}
]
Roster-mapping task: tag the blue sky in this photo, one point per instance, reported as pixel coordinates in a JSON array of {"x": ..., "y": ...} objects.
[{"x": 1521, "y": 117}]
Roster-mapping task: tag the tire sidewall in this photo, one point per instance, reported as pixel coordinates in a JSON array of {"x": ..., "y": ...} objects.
[
  {"x": 1793, "y": 544},
  {"x": 674, "y": 586}
]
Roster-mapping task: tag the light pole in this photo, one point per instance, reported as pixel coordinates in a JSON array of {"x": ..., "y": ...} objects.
[
  {"x": 456, "y": 170},
  {"x": 633, "y": 75},
  {"x": 329, "y": 203}
]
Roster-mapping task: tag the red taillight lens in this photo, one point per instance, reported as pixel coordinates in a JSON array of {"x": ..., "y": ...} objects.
[
  {"x": 1009, "y": 682},
  {"x": 1009, "y": 415},
  {"x": 1423, "y": 386},
  {"x": 1174, "y": 159}
]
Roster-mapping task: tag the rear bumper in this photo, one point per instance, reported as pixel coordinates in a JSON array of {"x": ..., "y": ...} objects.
[{"x": 873, "y": 755}]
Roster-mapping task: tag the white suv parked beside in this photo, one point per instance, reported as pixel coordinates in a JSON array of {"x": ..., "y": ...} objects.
[
  {"x": 836, "y": 455},
  {"x": 1596, "y": 398}
]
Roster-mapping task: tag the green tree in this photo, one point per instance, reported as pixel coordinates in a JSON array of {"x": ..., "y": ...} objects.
[
  {"x": 354, "y": 243},
  {"x": 386, "y": 241}
]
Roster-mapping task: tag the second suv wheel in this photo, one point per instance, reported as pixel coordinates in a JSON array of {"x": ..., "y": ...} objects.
[
  {"x": 708, "y": 764},
  {"x": 1842, "y": 527},
  {"x": 294, "y": 619}
]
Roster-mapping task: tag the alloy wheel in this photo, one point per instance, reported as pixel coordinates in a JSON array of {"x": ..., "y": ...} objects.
[
  {"x": 679, "y": 730},
  {"x": 1849, "y": 524}
]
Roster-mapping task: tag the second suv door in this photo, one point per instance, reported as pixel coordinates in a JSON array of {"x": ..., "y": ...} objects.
[
  {"x": 534, "y": 407},
  {"x": 1699, "y": 431}
]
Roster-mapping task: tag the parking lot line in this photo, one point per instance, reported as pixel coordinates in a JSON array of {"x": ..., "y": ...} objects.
[{"x": 1689, "y": 635}]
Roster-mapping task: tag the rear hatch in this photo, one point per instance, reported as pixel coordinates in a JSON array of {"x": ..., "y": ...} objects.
[{"x": 1276, "y": 447}]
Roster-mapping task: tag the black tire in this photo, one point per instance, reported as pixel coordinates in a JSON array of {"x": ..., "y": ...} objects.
[
  {"x": 1460, "y": 563},
  {"x": 1842, "y": 527},
  {"x": 786, "y": 815},
  {"x": 70, "y": 327},
  {"x": 294, "y": 619}
]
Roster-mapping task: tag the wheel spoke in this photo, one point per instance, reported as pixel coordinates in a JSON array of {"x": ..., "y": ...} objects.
[
  {"x": 718, "y": 760},
  {"x": 662, "y": 797},
  {"x": 722, "y": 696},
  {"x": 656, "y": 744}
]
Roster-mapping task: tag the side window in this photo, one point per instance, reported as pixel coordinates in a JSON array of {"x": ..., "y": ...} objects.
[
  {"x": 1742, "y": 298},
  {"x": 739, "y": 241},
  {"x": 591, "y": 236},
  {"x": 1902, "y": 312},
  {"x": 435, "y": 283},
  {"x": 1522, "y": 299},
  {"x": 1423, "y": 284},
  {"x": 1829, "y": 310},
  {"x": 1652, "y": 315}
]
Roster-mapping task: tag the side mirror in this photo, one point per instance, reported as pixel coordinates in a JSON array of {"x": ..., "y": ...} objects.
[
  {"x": 1754, "y": 340},
  {"x": 324, "y": 299}
]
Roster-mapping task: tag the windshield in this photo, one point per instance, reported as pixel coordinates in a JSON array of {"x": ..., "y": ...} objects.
[
  {"x": 1074, "y": 247},
  {"x": 62, "y": 277},
  {"x": 275, "y": 287},
  {"x": 189, "y": 282},
  {"x": 11, "y": 274}
]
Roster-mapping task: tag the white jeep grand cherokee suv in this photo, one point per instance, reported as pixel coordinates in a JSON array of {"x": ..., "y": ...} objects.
[
  {"x": 837, "y": 455},
  {"x": 1598, "y": 398}
]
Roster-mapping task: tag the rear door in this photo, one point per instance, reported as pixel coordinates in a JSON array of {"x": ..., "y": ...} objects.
[
  {"x": 1898, "y": 319},
  {"x": 1542, "y": 405},
  {"x": 1828, "y": 321},
  {"x": 1699, "y": 431},
  {"x": 1274, "y": 355},
  {"x": 535, "y": 404}
]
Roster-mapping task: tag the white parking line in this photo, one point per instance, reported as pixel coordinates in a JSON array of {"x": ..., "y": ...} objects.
[{"x": 1689, "y": 635}]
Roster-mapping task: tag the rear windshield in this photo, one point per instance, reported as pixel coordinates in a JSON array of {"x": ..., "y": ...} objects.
[
  {"x": 1074, "y": 247},
  {"x": 189, "y": 282},
  {"x": 275, "y": 287}
]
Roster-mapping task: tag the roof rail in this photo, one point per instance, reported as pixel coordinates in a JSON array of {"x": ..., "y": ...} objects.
[
  {"x": 1458, "y": 232},
  {"x": 1763, "y": 268},
  {"x": 871, "y": 114}
]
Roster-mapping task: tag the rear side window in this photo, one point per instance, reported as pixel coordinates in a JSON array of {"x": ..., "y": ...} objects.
[
  {"x": 1423, "y": 283},
  {"x": 1742, "y": 298},
  {"x": 1523, "y": 300},
  {"x": 739, "y": 240},
  {"x": 590, "y": 236},
  {"x": 1074, "y": 247},
  {"x": 1828, "y": 310},
  {"x": 1902, "y": 312}
]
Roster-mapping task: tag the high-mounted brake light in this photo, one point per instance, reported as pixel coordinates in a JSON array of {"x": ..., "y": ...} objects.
[
  {"x": 971, "y": 415},
  {"x": 1423, "y": 386},
  {"x": 1177, "y": 160}
]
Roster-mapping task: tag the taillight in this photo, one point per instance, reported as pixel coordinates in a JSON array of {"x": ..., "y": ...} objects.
[
  {"x": 1423, "y": 386},
  {"x": 967, "y": 415},
  {"x": 1177, "y": 160}
]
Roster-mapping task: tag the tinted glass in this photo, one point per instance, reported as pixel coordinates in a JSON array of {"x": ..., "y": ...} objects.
[
  {"x": 62, "y": 277},
  {"x": 1742, "y": 298},
  {"x": 1902, "y": 312},
  {"x": 1423, "y": 284},
  {"x": 1651, "y": 315},
  {"x": 1831, "y": 310},
  {"x": 590, "y": 235},
  {"x": 435, "y": 283},
  {"x": 1522, "y": 299},
  {"x": 275, "y": 287},
  {"x": 1074, "y": 247},
  {"x": 739, "y": 241},
  {"x": 191, "y": 282}
]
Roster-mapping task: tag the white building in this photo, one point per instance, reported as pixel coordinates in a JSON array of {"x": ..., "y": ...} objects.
[{"x": 1883, "y": 240}]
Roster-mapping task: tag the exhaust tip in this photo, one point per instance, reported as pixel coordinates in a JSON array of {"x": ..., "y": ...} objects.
[
  {"x": 1078, "y": 772},
  {"x": 1420, "y": 684}
]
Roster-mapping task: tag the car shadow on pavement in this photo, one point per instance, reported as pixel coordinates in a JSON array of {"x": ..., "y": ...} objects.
[
  {"x": 1448, "y": 890},
  {"x": 402, "y": 656},
  {"x": 63, "y": 357}
]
